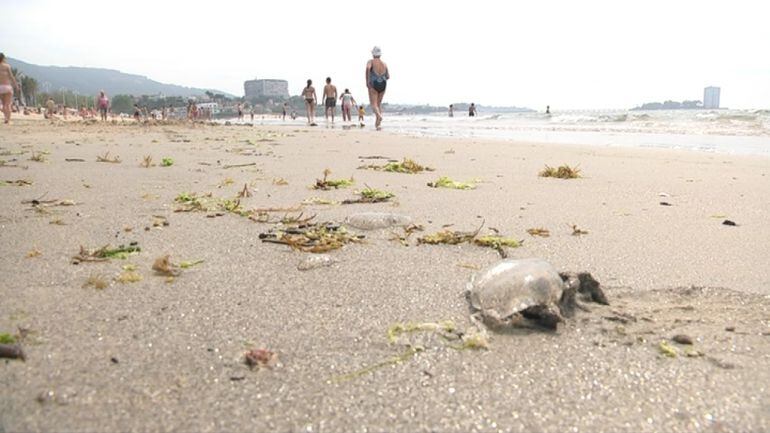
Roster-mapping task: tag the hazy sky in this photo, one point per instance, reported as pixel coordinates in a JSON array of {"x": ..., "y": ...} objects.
[{"x": 565, "y": 53}]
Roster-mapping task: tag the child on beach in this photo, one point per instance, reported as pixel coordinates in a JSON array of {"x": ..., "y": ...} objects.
[
  {"x": 361, "y": 114},
  {"x": 348, "y": 102}
]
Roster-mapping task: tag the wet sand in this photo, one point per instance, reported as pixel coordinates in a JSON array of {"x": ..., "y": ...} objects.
[{"x": 155, "y": 355}]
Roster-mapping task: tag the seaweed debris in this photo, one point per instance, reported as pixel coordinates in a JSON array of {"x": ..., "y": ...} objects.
[
  {"x": 561, "y": 172},
  {"x": 164, "y": 266},
  {"x": 166, "y": 162},
  {"x": 371, "y": 195},
  {"x": 147, "y": 161},
  {"x": 260, "y": 358},
  {"x": 446, "y": 182},
  {"x": 105, "y": 253},
  {"x": 539, "y": 231},
  {"x": 106, "y": 158},
  {"x": 97, "y": 282},
  {"x": 576, "y": 231},
  {"x": 312, "y": 238},
  {"x": 327, "y": 184}
]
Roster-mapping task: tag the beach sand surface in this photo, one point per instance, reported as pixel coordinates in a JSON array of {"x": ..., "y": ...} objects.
[{"x": 166, "y": 354}]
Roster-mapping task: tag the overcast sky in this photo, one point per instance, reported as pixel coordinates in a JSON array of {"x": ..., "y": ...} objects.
[{"x": 563, "y": 53}]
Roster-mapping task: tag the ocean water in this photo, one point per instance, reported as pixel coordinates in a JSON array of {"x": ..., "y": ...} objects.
[
  {"x": 745, "y": 132},
  {"x": 740, "y": 132}
]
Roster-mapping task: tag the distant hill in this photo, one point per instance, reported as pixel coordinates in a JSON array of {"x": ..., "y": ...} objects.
[{"x": 88, "y": 81}]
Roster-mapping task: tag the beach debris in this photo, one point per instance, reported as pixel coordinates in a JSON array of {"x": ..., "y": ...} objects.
[
  {"x": 245, "y": 192},
  {"x": 17, "y": 182},
  {"x": 682, "y": 339},
  {"x": 446, "y": 182},
  {"x": 576, "y": 231},
  {"x": 6, "y": 338},
  {"x": 128, "y": 277},
  {"x": 147, "y": 161},
  {"x": 320, "y": 201},
  {"x": 12, "y": 351},
  {"x": 316, "y": 261},
  {"x": 280, "y": 181},
  {"x": 526, "y": 292},
  {"x": 106, "y": 158},
  {"x": 666, "y": 349},
  {"x": 239, "y": 165},
  {"x": 105, "y": 253},
  {"x": 191, "y": 202},
  {"x": 34, "y": 253},
  {"x": 665, "y": 203},
  {"x": 377, "y": 220},
  {"x": 163, "y": 266},
  {"x": 397, "y": 329},
  {"x": 406, "y": 355},
  {"x": 371, "y": 195},
  {"x": 327, "y": 184},
  {"x": 226, "y": 182},
  {"x": 186, "y": 264},
  {"x": 166, "y": 162},
  {"x": 729, "y": 223},
  {"x": 374, "y": 157},
  {"x": 561, "y": 172},
  {"x": 408, "y": 231},
  {"x": 96, "y": 281},
  {"x": 38, "y": 157},
  {"x": 160, "y": 221},
  {"x": 260, "y": 358},
  {"x": 312, "y": 238},
  {"x": 405, "y": 166},
  {"x": 496, "y": 242},
  {"x": 539, "y": 231},
  {"x": 74, "y": 159}
]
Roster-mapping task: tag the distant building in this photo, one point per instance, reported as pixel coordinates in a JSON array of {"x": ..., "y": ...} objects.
[
  {"x": 711, "y": 97},
  {"x": 254, "y": 89}
]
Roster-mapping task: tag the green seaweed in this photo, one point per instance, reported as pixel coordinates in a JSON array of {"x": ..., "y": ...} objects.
[
  {"x": 398, "y": 359},
  {"x": 561, "y": 172},
  {"x": 398, "y": 329},
  {"x": 495, "y": 241},
  {"x": 189, "y": 264},
  {"x": 167, "y": 162},
  {"x": 667, "y": 349},
  {"x": 446, "y": 182},
  {"x": 327, "y": 184},
  {"x": 6, "y": 338}
]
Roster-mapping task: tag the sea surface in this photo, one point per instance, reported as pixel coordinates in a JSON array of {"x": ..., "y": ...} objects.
[{"x": 740, "y": 132}]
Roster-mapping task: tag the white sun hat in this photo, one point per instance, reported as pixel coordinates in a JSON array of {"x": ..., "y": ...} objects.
[{"x": 376, "y": 52}]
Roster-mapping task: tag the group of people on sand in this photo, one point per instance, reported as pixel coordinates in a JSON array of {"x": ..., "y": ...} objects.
[{"x": 377, "y": 76}]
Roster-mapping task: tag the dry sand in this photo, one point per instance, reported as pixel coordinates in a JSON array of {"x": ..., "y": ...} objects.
[{"x": 168, "y": 356}]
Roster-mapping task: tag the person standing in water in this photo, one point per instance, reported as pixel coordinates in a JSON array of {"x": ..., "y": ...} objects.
[
  {"x": 103, "y": 103},
  {"x": 7, "y": 84},
  {"x": 330, "y": 98},
  {"x": 451, "y": 110},
  {"x": 348, "y": 102},
  {"x": 377, "y": 77},
  {"x": 308, "y": 93},
  {"x": 547, "y": 109},
  {"x": 472, "y": 110}
]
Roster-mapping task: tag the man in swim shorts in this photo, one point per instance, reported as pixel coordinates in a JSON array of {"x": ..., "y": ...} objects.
[{"x": 330, "y": 98}]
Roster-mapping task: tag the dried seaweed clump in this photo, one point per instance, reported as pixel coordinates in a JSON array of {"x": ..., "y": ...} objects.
[
  {"x": 539, "y": 231},
  {"x": 451, "y": 237},
  {"x": 496, "y": 242},
  {"x": 191, "y": 202},
  {"x": 561, "y": 172},
  {"x": 446, "y": 182},
  {"x": 405, "y": 166},
  {"x": 371, "y": 195},
  {"x": 312, "y": 238},
  {"x": 106, "y": 158},
  {"x": 97, "y": 282},
  {"x": 105, "y": 253},
  {"x": 327, "y": 184},
  {"x": 163, "y": 266}
]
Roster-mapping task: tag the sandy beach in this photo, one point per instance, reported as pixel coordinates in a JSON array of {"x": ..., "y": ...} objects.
[{"x": 167, "y": 354}]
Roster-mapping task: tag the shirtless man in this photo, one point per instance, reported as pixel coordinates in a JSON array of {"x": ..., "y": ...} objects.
[
  {"x": 377, "y": 76},
  {"x": 330, "y": 98},
  {"x": 7, "y": 84}
]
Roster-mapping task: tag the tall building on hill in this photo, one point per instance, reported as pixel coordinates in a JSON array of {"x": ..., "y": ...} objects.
[
  {"x": 253, "y": 89},
  {"x": 711, "y": 97}
]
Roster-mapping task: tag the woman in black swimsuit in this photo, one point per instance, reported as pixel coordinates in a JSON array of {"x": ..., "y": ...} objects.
[
  {"x": 310, "y": 102},
  {"x": 377, "y": 77}
]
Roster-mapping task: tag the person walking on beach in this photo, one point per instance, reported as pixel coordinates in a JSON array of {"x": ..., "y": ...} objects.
[
  {"x": 103, "y": 103},
  {"x": 377, "y": 77},
  {"x": 7, "y": 84},
  {"x": 240, "y": 112},
  {"x": 308, "y": 93},
  {"x": 285, "y": 110},
  {"x": 330, "y": 99},
  {"x": 361, "y": 114},
  {"x": 348, "y": 102},
  {"x": 472, "y": 110}
]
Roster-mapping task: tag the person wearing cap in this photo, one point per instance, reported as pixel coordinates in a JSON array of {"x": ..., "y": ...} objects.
[{"x": 377, "y": 77}]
